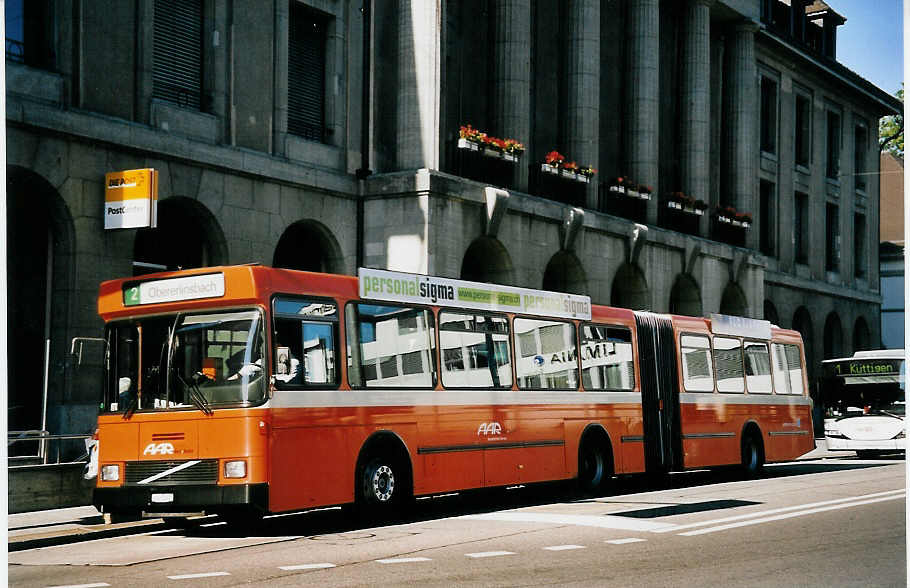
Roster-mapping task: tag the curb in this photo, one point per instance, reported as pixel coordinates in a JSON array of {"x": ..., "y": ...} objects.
[{"x": 51, "y": 538}]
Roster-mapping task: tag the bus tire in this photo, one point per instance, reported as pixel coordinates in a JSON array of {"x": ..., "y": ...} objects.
[
  {"x": 595, "y": 468},
  {"x": 383, "y": 487},
  {"x": 753, "y": 455}
]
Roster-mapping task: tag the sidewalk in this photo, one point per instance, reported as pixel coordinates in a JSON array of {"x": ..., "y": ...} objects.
[{"x": 43, "y": 528}]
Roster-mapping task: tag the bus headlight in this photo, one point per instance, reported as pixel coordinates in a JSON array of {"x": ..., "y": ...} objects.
[
  {"x": 110, "y": 473},
  {"x": 235, "y": 469},
  {"x": 901, "y": 435}
]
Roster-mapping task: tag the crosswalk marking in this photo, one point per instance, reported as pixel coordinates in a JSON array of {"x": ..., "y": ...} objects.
[
  {"x": 563, "y": 547},
  {"x": 624, "y": 541},
  {"x": 395, "y": 560}
]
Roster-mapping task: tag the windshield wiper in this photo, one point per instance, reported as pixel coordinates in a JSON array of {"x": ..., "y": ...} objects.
[
  {"x": 131, "y": 407},
  {"x": 195, "y": 394}
]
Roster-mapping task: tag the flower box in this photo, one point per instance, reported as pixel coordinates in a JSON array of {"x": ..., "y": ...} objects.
[
  {"x": 565, "y": 173},
  {"x": 683, "y": 208},
  {"x": 469, "y": 145}
]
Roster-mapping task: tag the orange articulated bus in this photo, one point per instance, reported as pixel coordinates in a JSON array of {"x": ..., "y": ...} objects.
[{"x": 248, "y": 390}]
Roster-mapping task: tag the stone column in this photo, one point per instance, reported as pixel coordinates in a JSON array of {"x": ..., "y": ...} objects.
[
  {"x": 642, "y": 100},
  {"x": 582, "y": 123},
  {"x": 417, "y": 140},
  {"x": 511, "y": 116},
  {"x": 741, "y": 124},
  {"x": 695, "y": 108}
]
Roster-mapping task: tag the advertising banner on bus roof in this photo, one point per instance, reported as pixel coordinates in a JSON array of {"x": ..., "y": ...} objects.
[{"x": 420, "y": 289}]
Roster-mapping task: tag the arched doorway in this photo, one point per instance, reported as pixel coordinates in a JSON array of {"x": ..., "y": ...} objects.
[
  {"x": 487, "y": 260},
  {"x": 565, "y": 274},
  {"x": 802, "y": 322},
  {"x": 862, "y": 339},
  {"x": 630, "y": 290},
  {"x": 308, "y": 245},
  {"x": 771, "y": 313},
  {"x": 187, "y": 236},
  {"x": 40, "y": 242},
  {"x": 685, "y": 297},
  {"x": 733, "y": 301},
  {"x": 834, "y": 337}
]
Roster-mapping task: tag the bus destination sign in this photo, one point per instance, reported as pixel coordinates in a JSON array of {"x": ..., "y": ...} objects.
[
  {"x": 420, "y": 289},
  {"x": 174, "y": 290},
  {"x": 863, "y": 367}
]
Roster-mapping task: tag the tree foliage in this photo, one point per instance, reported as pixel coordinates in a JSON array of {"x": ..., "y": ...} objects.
[{"x": 891, "y": 131}]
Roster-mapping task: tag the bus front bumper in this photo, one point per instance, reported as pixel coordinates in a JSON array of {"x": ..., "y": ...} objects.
[
  {"x": 842, "y": 444},
  {"x": 184, "y": 498}
]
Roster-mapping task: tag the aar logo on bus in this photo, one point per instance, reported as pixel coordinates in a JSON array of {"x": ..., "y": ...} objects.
[
  {"x": 158, "y": 449},
  {"x": 493, "y": 428}
]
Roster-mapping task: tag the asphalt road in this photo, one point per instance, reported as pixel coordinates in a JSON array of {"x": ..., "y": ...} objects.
[{"x": 833, "y": 522}]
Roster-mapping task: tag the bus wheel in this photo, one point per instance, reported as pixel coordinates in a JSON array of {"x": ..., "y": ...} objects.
[
  {"x": 383, "y": 487},
  {"x": 753, "y": 455},
  {"x": 593, "y": 467}
]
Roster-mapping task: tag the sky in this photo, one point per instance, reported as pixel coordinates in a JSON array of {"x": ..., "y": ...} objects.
[{"x": 871, "y": 41}]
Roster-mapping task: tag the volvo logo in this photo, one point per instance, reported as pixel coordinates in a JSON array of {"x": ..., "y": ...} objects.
[{"x": 158, "y": 449}]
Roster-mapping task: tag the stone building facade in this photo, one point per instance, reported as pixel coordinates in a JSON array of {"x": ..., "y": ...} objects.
[{"x": 323, "y": 134}]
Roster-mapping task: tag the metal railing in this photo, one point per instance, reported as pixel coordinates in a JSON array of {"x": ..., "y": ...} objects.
[{"x": 43, "y": 443}]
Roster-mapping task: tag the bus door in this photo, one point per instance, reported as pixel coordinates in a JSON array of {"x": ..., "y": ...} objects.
[{"x": 659, "y": 392}]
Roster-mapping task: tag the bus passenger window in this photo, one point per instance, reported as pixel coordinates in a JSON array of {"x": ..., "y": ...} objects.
[
  {"x": 475, "y": 351},
  {"x": 696, "y": 363},
  {"x": 390, "y": 346},
  {"x": 728, "y": 364},
  {"x": 788, "y": 369},
  {"x": 548, "y": 357},
  {"x": 758, "y": 367},
  {"x": 304, "y": 341},
  {"x": 606, "y": 358}
]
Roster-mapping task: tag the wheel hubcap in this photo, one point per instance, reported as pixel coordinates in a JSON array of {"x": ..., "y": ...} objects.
[{"x": 383, "y": 483}]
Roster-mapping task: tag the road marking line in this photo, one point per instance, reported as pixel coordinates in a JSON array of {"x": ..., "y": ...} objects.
[
  {"x": 312, "y": 566},
  {"x": 202, "y": 575},
  {"x": 489, "y": 554},
  {"x": 563, "y": 547},
  {"x": 403, "y": 560},
  {"x": 673, "y": 528},
  {"x": 602, "y": 521},
  {"x": 96, "y": 585},
  {"x": 788, "y": 515},
  {"x": 624, "y": 541}
]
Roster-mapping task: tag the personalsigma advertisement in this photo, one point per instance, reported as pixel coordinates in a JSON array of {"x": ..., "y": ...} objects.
[{"x": 420, "y": 289}]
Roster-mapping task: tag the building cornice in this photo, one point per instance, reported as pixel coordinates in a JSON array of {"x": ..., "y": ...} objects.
[{"x": 890, "y": 104}]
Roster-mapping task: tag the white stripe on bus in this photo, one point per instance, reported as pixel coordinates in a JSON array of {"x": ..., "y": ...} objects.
[{"x": 480, "y": 398}]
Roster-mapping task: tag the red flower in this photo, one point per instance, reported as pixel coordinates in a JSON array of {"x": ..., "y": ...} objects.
[{"x": 554, "y": 158}]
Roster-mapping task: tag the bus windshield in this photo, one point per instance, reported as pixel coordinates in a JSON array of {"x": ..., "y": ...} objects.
[
  {"x": 198, "y": 360},
  {"x": 864, "y": 385}
]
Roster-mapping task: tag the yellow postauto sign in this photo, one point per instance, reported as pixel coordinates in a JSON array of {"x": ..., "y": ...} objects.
[
  {"x": 131, "y": 199},
  {"x": 420, "y": 289}
]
